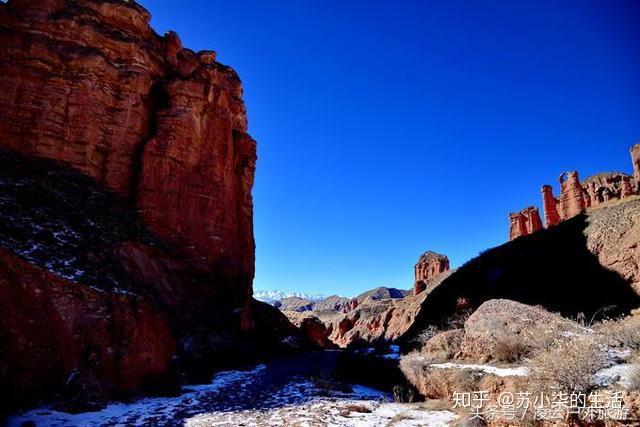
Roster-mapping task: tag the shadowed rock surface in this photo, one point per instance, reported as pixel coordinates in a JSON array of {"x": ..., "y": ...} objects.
[
  {"x": 93, "y": 304},
  {"x": 587, "y": 264},
  {"x": 146, "y": 213}
]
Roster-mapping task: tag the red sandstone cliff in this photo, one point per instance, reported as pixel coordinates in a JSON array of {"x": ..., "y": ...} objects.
[
  {"x": 115, "y": 287},
  {"x": 90, "y": 84}
]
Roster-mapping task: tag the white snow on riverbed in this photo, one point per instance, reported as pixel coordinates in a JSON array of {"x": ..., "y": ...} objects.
[
  {"x": 327, "y": 412},
  {"x": 519, "y": 371},
  {"x": 250, "y": 398}
]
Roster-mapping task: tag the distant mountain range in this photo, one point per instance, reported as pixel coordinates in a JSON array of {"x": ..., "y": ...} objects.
[{"x": 273, "y": 296}]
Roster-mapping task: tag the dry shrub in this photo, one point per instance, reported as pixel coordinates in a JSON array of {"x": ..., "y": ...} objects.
[
  {"x": 403, "y": 394},
  {"x": 634, "y": 379},
  {"x": 412, "y": 366},
  {"x": 457, "y": 320},
  {"x": 567, "y": 366},
  {"x": 428, "y": 333},
  {"x": 510, "y": 348},
  {"x": 543, "y": 337},
  {"x": 623, "y": 332},
  {"x": 444, "y": 346},
  {"x": 437, "y": 383}
]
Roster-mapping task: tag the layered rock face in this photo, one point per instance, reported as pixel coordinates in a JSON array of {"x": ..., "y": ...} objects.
[
  {"x": 152, "y": 277},
  {"x": 635, "y": 159},
  {"x": 90, "y": 84},
  {"x": 429, "y": 266},
  {"x": 524, "y": 222}
]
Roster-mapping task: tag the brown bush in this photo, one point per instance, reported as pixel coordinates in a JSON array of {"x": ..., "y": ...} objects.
[
  {"x": 437, "y": 383},
  {"x": 634, "y": 379},
  {"x": 567, "y": 366},
  {"x": 429, "y": 332},
  {"x": 510, "y": 348},
  {"x": 623, "y": 332}
]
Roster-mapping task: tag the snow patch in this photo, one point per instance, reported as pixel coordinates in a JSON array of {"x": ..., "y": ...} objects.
[{"x": 520, "y": 371}]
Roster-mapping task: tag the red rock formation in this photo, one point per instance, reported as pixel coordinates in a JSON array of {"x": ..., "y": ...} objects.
[
  {"x": 602, "y": 188},
  {"x": 524, "y": 222},
  {"x": 429, "y": 266},
  {"x": 56, "y": 332},
  {"x": 90, "y": 84},
  {"x": 635, "y": 159},
  {"x": 571, "y": 201},
  {"x": 549, "y": 206}
]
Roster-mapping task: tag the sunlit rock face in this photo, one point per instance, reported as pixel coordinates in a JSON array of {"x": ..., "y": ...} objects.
[
  {"x": 429, "y": 266},
  {"x": 152, "y": 238},
  {"x": 90, "y": 84},
  {"x": 524, "y": 222}
]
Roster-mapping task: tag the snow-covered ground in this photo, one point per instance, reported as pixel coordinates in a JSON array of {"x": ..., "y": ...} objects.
[
  {"x": 262, "y": 396},
  {"x": 488, "y": 369}
]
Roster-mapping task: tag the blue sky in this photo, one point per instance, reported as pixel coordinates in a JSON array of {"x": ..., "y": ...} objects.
[{"x": 386, "y": 129}]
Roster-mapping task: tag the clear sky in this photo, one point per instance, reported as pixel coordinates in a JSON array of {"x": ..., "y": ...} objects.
[{"x": 386, "y": 129}]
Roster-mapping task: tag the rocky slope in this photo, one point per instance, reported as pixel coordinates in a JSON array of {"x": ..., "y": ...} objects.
[
  {"x": 125, "y": 193},
  {"x": 587, "y": 265}
]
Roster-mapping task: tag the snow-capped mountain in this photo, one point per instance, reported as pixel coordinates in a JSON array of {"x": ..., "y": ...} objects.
[{"x": 272, "y": 296}]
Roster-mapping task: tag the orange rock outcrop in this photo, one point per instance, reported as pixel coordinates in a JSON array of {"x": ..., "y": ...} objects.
[
  {"x": 576, "y": 197},
  {"x": 429, "y": 266},
  {"x": 524, "y": 222}
]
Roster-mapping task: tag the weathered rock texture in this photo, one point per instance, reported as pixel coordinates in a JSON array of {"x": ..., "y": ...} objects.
[
  {"x": 58, "y": 332},
  {"x": 429, "y": 266},
  {"x": 502, "y": 320},
  {"x": 524, "y": 222},
  {"x": 90, "y": 84},
  {"x": 613, "y": 235},
  {"x": 160, "y": 267},
  {"x": 576, "y": 197}
]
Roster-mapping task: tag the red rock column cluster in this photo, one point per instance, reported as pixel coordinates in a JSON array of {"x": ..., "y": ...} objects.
[
  {"x": 524, "y": 222},
  {"x": 429, "y": 266},
  {"x": 576, "y": 197}
]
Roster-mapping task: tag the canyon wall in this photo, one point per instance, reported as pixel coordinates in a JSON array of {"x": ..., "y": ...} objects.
[
  {"x": 126, "y": 171},
  {"x": 90, "y": 84}
]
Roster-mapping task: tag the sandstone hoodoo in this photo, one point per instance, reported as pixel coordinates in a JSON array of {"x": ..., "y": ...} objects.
[
  {"x": 430, "y": 265},
  {"x": 524, "y": 223},
  {"x": 576, "y": 197},
  {"x": 127, "y": 175}
]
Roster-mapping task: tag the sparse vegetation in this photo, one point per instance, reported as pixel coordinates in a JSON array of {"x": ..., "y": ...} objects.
[
  {"x": 567, "y": 366},
  {"x": 622, "y": 332},
  {"x": 403, "y": 394},
  {"x": 428, "y": 333},
  {"x": 510, "y": 348},
  {"x": 634, "y": 379}
]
